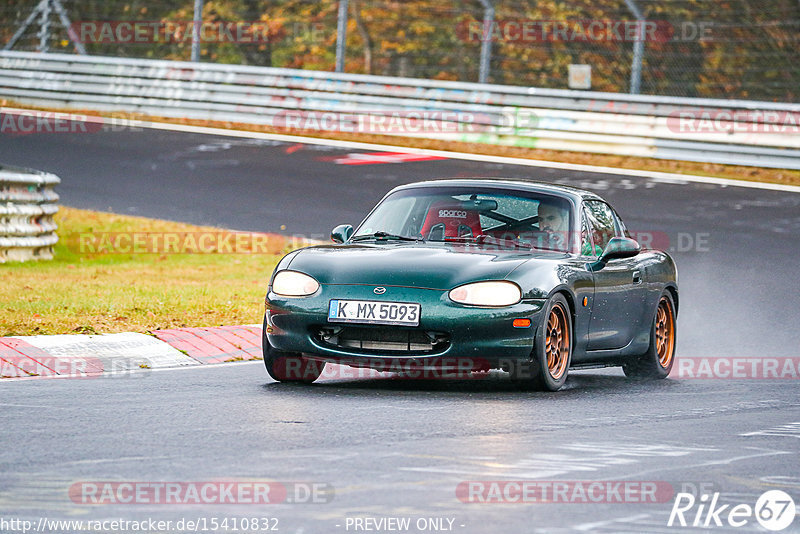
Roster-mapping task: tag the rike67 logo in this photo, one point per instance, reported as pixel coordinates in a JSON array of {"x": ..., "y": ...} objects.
[{"x": 774, "y": 510}]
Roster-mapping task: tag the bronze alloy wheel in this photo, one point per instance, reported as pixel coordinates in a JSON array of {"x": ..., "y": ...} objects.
[
  {"x": 557, "y": 341},
  {"x": 665, "y": 333}
]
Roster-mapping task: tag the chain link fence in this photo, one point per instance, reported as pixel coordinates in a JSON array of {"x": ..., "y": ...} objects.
[{"x": 744, "y": 49}]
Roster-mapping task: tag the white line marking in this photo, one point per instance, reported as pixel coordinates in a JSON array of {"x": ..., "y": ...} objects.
[
  {"x": 132, "y": 371},
  {"x": 726, "y": 461},
  {"x": 663, "y": 176},
  {"x": 117, "y": 460},
  {"x": 29, "y": 406},
  {"x": 208, "y": 366},
  {"x": 593, "y": 526},
  {"x": 789, "y": 429}
]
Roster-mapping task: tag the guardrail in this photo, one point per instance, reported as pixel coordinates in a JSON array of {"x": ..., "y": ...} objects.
[
  {"x": 27, "y": 206},
  {"x": 736, "y": 132}
]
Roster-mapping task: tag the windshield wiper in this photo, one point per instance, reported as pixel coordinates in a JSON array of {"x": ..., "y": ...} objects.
[
  {"x": 489, "y": 240},
  {"x": 459, "y": 239},
  {"x": 386, "y": 235}
]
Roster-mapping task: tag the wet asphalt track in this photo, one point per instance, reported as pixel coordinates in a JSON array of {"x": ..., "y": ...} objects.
[{"x": 395, "y": 448}]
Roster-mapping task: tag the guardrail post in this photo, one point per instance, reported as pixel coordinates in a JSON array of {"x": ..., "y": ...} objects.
[
  {"x": 341, "y": 35},
  {"x": 198, "y": 21},
  {"x": 638, "y": 48},
  {"x": 486, "y": 41},
  {"x": 44, "y": 27},
  {"x": 27, "y": 206}
]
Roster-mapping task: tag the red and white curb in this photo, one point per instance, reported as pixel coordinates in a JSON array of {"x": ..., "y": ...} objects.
[
  {"x": 91, "y": 356},
  {"x": 374, "y": 158}
]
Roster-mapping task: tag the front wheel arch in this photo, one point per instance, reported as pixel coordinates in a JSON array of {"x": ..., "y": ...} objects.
[
  {"x": 288, "y": 366},
  {"x": 570, "y": 298},
  {"x": 654, "y": 364},
  {"x": 536, "y": 372},
  {"x": 674, "y": 293}
]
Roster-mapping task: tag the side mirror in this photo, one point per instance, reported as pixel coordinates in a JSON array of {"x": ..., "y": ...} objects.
[
  {"x": 617, "y": 248},
  {"x": 341, "y": 233}
]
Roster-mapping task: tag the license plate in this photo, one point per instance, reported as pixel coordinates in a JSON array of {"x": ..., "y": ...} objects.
[{"x": 374, "y": 312}]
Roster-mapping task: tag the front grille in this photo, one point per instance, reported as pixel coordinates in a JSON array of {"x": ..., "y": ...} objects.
[{"x": 383, "y": 339}]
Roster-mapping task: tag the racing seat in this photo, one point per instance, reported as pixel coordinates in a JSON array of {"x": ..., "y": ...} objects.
[{"x": 450, "y": 219}]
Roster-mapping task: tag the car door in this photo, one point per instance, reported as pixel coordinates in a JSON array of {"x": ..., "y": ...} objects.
[{"x": 618, "y": 306}]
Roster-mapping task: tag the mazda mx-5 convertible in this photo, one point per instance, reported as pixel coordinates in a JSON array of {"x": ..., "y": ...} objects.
[{"x": 465, "y": 276}]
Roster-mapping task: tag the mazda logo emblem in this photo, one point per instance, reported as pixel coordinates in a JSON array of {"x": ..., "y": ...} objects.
[{"x": 379, "y": 290}]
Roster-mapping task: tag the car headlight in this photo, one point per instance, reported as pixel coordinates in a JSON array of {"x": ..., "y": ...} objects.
[
  {"x": 487, "y": 294},
  {"x": 294, "y": 284}
]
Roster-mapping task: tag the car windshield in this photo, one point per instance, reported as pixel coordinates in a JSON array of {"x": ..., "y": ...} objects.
[{"x": 480, "y": 216}]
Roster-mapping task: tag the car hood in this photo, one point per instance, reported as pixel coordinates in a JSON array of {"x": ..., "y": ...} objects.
[{"x": 433, "y": 266}]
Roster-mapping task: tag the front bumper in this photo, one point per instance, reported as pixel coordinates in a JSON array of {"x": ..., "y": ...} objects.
[{"x": 475, "y": 337}]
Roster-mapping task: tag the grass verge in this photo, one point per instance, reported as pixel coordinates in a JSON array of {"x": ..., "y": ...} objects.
[{"x": 102, "y": 292}]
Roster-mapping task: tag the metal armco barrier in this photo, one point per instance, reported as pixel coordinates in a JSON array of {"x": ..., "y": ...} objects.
[
  {"x": 736, "y": 132},
  {"x": 27, "y": 206}
]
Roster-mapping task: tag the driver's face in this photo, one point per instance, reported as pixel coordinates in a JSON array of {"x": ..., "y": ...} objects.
[{"x": 552, "y": 218}]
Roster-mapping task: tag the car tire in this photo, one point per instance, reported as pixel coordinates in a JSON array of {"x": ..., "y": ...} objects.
[
  {"x": 552, "y": 349},
  {"x": 657, "y": 362},
  {"x": 288, "y": 366}
]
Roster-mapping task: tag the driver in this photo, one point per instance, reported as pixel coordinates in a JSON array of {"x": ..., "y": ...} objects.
[{"x": 554, "y": 220}]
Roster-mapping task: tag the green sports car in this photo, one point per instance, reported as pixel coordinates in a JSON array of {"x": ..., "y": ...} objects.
[{"x": 471, "y": 275}]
